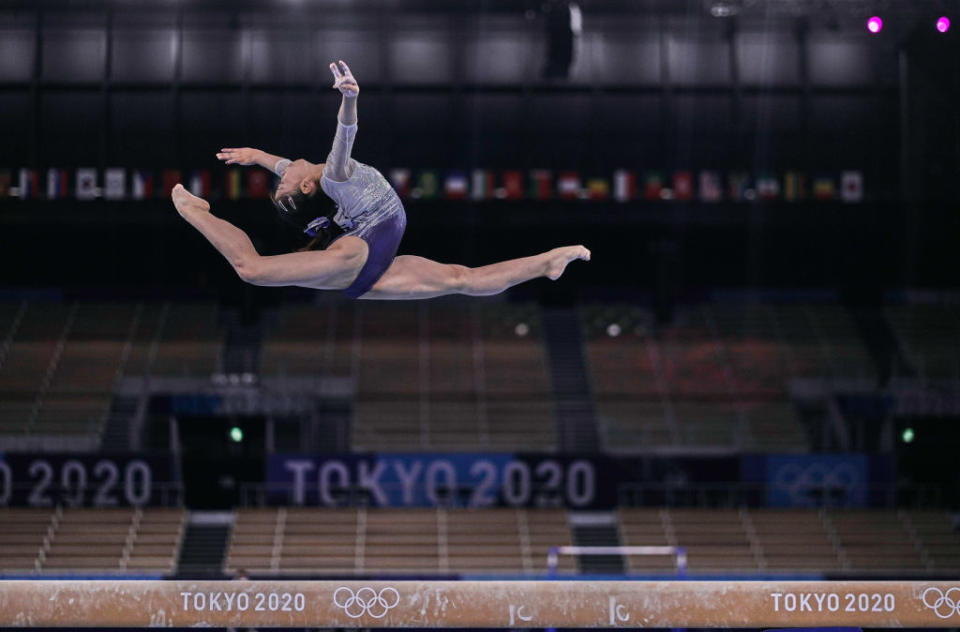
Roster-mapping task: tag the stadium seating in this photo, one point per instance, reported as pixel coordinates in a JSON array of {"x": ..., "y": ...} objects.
[
  {"x": 451, "y": 376},
  {"x": 928, "y": 335},
  {"x": 346, "y": 542},
  {"x": 60, "y": 363},
  {"x": 716, "y": 378},
  {"x": 396, "y": 541},
  {"x": 23, "y": 537},
  {"x": 83, "y": 541},
  {"x": 188, "y": 341},
  {"x": 789, "y": 541},
  {"x": 794, "y": 540},
  {"x": 937, "y": 537}
]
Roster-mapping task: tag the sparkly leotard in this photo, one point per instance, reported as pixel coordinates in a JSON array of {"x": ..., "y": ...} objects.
[{"x": 369, "y": 208}]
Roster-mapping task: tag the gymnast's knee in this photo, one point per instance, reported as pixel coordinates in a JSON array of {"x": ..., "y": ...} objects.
[
  {"x": 250, "y": 271},
  {"x": 460, "y": 279}
]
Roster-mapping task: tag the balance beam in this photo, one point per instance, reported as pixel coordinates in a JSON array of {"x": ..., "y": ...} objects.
[{"x": 479, "y": 604}]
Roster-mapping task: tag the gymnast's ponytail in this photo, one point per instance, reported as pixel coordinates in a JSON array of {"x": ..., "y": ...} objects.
[{"x": 310, "y": 215}]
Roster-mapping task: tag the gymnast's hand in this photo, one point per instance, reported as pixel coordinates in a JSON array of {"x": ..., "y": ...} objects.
[
  {"x": 344, "y": 82},
  {"x": 245, "y": 156}
]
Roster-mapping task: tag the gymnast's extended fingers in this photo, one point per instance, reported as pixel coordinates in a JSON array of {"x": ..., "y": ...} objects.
[
  {"x": 346, "y": 69},
  {"x": 337, "y": 76}
]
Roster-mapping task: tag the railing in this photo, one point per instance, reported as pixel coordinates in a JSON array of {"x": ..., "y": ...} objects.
[
  {"x": 678, "y": 551},
  {"x": 705, "y": 495},
  {"x": 740, "y": 494}
]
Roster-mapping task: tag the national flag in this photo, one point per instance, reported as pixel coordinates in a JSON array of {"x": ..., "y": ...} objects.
[
  {"x": 541, "y": 184},
  {"x": 682, "y": 185},
  {"x": 428, "y": 185},
  {"x": 568, "y": 185},
  {"x": 5, "y": 182},
  {"x": 233, "y": 184},
  {"x": 624, "y": 185},
  {"x": 56, "y": 184},
  {"x": 794, "y": 186},
  {"x": 483, "y": 184},
  {"x": 200, "y": 183},
  {"x": 739, "y": 186},
  {"x": 28, "y": 184},
  {"x": 87, "y": 183},
  {"x": 115, "y": 183},
  {"x": 653, "y": 185},
  {"x": 598, "y": 188},
  {"x": 171, "y": 178},
  {"x": 824, "y": 188},
  {"x": 455, "y": 185},
  {"x": 851, "y": 186},
  {"x": 710, "y": 189},
  {"x": 141, "y": 185},
  {"x": 400, "y": 180},
  {"x": 513, "y": 185},
  {"x": 258, "y": 184},
  {"x": 768, "y": 187}
]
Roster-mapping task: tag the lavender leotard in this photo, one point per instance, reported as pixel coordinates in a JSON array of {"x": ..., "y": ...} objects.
[{"x": 369, "y": 208}]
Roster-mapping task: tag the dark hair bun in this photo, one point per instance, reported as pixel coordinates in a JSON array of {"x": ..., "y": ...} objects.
[{"x": 298, "y": 210}]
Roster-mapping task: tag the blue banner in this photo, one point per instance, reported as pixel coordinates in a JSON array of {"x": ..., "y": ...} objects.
[
  {"x": 575, "y": 481},
  {"x": 815, "y": 480},
  {"x": 85, "y": 480},
  {"x": 431, "y": 480}
]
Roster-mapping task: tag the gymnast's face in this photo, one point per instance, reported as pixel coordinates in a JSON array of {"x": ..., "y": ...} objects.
[{"x": 300, "y": 176}]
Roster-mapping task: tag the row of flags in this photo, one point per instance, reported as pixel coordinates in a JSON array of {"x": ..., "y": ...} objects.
[
  {"x": 538, "y": 184},
  {"x": 131, "y": 184},
  {"x": 627, "y": 185}
]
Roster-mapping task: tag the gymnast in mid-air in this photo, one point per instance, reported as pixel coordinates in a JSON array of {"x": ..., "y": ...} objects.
[{"x": 355, "y": 250}]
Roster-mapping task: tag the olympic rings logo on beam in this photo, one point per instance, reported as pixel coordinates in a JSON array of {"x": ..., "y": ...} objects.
[
  {"x": 949, "y": 599},
  {"x": 366, "y": 601}
]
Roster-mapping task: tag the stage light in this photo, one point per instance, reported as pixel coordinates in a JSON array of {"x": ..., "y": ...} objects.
[
  {"x": 613, "y": 330},
  {"x": 943, "y": 24},
  {"x": 907, "y": 435},
  {"x": 874, "y": 25},
  {"x": 725, "y": 8},
  {"x": 236, "y": 434},
  {"x": 521, "y": 330}
]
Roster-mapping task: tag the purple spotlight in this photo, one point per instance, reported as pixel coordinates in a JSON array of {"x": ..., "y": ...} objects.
[
  {"x": 874, "y": 25},
  {"x": 943, "y": 24}
]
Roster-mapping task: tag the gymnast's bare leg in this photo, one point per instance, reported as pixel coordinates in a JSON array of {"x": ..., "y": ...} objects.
[
  {"x": 407, "y": 278},
  {"x": 332, "y": 269},
  {"x": 411, "y": 277}
]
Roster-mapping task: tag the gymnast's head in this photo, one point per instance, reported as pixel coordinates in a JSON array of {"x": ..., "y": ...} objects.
[
  {"x": 309, "y": 213},
  {"x": 300, "y": 177}
]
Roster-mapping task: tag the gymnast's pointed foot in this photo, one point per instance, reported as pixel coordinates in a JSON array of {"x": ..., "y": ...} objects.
[
  {"x": 558, "y": 258},
  {"x": 187, "y": 202}
]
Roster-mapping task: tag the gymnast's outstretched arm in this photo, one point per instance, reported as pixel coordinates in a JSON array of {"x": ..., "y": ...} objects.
[
  {"x": 247, "y": 156},
  {"x": 339, "y": 166}
]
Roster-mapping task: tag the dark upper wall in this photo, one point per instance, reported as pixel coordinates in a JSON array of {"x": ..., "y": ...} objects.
[{"x": 154, "y": 87}]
